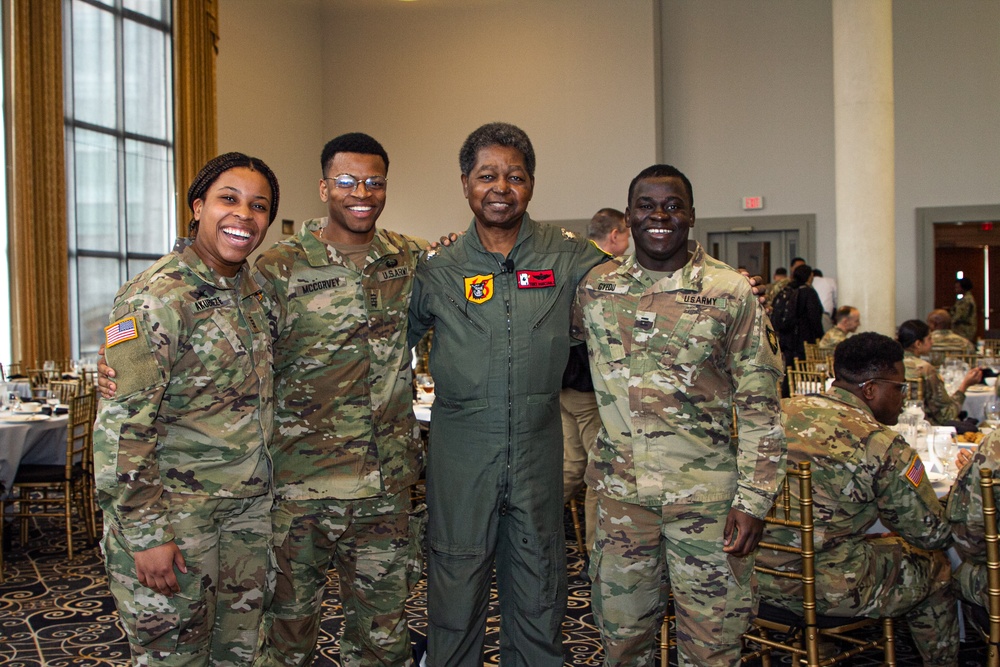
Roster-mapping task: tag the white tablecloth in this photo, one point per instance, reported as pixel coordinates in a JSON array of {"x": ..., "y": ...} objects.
[
  {"x": 975, "y": 400},
  {"x": 42, "y": 442}
]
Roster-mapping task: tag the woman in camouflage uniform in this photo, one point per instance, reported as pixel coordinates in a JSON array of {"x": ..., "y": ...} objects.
[
  {"x": 182, "y": 468},
  {"x": 939, "y": 407}
]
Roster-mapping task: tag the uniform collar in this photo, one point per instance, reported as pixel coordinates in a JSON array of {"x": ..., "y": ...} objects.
[
  {"x": 242, "y": 281},
  {"x": 687, "y": 278},
  {"x": 527, "y": 230},
  {"x": 319, "y": 253},
  {"x": 846, "y": 397}
]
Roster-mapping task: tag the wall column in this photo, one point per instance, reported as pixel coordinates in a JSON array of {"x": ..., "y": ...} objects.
[{"x": 865, "y": 160}]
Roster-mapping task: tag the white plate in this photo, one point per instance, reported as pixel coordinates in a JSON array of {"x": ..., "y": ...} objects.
[
  {"x": 24, "y": 418},
  {"x": 979, "y": 389}
]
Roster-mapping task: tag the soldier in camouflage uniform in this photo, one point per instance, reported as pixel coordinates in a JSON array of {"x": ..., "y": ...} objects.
[
  {"x": 676, "y": 342},
  {"x": 965, "y": 513},
  {"x": 182, "y": 468},
  {"x": 346, "y": 447},
  {"x": 939, "y": 407},
  {"x": 943, "y": 339},
  {"x": 963, "y": 312},
  {"x": 846, "y": 321},
  {"x": 863, "y": 472},
  {"x": 499, "y": 301}
]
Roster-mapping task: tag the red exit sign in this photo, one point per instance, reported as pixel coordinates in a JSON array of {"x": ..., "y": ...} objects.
[{"x": 753, "y": 203}]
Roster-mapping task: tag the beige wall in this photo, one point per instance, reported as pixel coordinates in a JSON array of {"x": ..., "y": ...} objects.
[
  {"x": 747, "y": 100},
  {"x": 748, "y": 110},
  {"x": 421, "y": 77}
]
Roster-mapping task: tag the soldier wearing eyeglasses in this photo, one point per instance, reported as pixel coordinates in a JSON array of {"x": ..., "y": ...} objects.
[
  {"x": 863, "y": 472},
  {"x": 346, "y": 445}
]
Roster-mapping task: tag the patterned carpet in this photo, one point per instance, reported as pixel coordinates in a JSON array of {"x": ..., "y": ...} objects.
[{"x": 59, "y": 613}]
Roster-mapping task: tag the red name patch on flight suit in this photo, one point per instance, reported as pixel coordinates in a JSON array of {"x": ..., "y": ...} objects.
[{"x": 536, "y": 279}]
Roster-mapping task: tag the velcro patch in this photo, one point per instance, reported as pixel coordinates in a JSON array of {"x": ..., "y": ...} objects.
[
  {"x": 479, "y": 289},
  {"x": 392, "y": 274},
  {"x": 699, "y": 300},
  {"x": 119, "y": 332},
  {"x": 536, "y": 279},
  {"x": 915, "y": 473},
  {"x": 309, "y": 288},
  {"x": 614, "y": 288}
]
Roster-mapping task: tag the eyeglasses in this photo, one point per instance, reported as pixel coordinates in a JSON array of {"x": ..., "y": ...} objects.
[
  {"x": 348, "y": 182},
  {"x": 904, "y": 387}
]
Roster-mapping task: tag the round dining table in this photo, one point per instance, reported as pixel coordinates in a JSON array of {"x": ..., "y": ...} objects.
[{"x": 30, "y": 438}]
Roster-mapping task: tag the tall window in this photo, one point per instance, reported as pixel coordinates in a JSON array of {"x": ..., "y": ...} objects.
[{"x": 119, "y": 151}]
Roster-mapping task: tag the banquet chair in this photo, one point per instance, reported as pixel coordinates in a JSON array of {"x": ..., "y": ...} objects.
[
  {"x": 65, "y": 389},
  {"x": 58, "y": 491},
  {"x": 801, "y": 383},
  {"x": 916, "y": 389},
  {"x": 801, "y": 634},
  {"x": 986, "y": 620},
  {"x": 971, "y": 360},
  {"x": 824, "y": 366},
  {"x": 813, "y": 353}
]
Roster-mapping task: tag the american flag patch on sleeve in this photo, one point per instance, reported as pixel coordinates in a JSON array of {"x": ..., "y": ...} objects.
[
  {"x": 915, "y": 473},
  {"x": 120, "y": 331}
]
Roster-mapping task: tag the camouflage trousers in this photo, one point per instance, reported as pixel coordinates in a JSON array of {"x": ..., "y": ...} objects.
[
  {"x": 913, "y": 583},
  {"x": 581, "y": 422},
  {"x": 714, "y": 594},
  {"x": 215, "y": 618},
  {"x": 374, "y": 545}
]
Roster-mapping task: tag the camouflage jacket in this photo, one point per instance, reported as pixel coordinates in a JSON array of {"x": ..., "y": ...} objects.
[
  {"x": 832, "y": 338},
  {"x": 946, "y": 339},
  {"x": 344, "y": 425},
  {"x": 862, "y": 472},
  {"x": 670, "y": 360},
  {"x": 193, "y": 411},
  {"x": 965, "y": 513},
  {"x": 963, "y": 317},
  {"x": 938, "y": 406}
]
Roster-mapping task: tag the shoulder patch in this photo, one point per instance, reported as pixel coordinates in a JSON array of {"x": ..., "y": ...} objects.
[
  {"x": 772, "y": 339},
  {"x": 119, "y": 332},
  {"x": 915, "y": 471}
]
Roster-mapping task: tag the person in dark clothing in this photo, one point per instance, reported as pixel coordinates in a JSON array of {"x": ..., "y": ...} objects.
[{"x": 808, "y": 317}]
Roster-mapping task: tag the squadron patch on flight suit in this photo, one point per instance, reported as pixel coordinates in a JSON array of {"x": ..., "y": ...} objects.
[
  {"x": 772, "y": 339},
  {"x": 479, "y": 289}
]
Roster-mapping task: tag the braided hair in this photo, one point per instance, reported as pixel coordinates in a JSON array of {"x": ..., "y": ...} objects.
[{"x": 221, "y": 164}]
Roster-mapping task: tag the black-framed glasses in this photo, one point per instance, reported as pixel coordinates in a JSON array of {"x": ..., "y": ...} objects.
[
  {"x": 904, "y": 387},
  {"x": 348, "y": 182}
]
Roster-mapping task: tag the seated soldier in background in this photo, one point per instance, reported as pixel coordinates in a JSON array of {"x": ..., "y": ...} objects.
[
  {"x": 965, "y": 513},
  {"x": 863, "y": 472},
  {"x": 943, "y": 339},
  {"x": 846, "y": 321},
  {"x": 938, "y": 406}
]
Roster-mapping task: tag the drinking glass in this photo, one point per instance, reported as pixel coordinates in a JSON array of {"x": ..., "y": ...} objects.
[
  {"x": 51, "y": 399},
  {"x": 425, "y": 388},
  {"x": 991, "y": 412}
]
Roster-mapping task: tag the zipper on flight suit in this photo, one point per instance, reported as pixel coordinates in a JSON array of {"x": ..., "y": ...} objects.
[{"x": 510, "y": 392}]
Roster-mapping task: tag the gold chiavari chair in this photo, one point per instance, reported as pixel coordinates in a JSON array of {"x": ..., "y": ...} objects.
[
  {"x": 823, "y": 366},
  {"x": 986, "y": 620},
  {"x": 802, "y": 633},
  {"x": 971, "y": 360},
  {"x": 59, "y": 491},
  {"x": 65, "y": 389},
  {"x": 991, "y": 347},
  {"x": 916, "y": 389},
  {"x": 801, "y": 383},
  {"x": 813, "y": 353}
]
